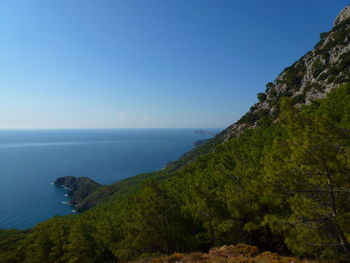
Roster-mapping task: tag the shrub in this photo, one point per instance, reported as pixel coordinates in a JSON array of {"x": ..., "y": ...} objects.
[
  {"x": 323, "y": 35},
  {"x": 313, "y": 86},
  {"x": 175, "y": 257},
  {"x": 286, "y": 93},
  {"x": 294, "y": 74},
  {"x": 240, "y": 253},
  {"x": 339, "y": 37},
  {"x": 323, "y": 76},
  {"x": 331, "y": 79},
  {"x": 262, "y": 113},
  {"x": 269, "y": 86},
  {"x": 194, "y": 257},
  {"x": 341, "y": 79},
  {"x": 249, "y": 118},
  {"x": 272, "y": 103},
  {"x": 317, "y": 86},
  {"x": 345, "y": 61},
  {"x": 317, "y": 68},
  {"x": 298, "y": 99},
  {"x": 325, "y": 56},
  {"x": 334, "y": 70},
  {"x": 261, "y": 96},
  {"x": 254, "y": 107},
  {"x": 273, "y": 93}
]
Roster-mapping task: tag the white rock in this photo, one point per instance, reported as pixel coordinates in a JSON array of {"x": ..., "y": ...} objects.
[{"x": 344, "y": 14}]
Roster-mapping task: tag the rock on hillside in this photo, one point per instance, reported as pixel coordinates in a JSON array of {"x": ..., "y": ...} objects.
[
  {"x": 80, "y": 188},
  {"x": 343, "y": 15},
  {"x": 311, "y": 77}
]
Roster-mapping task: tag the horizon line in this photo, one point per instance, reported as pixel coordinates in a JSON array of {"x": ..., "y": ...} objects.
[{"x": 198, "y": 128}]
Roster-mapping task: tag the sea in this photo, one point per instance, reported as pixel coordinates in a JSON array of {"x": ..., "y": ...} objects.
[{"x": 30, "y": 160}]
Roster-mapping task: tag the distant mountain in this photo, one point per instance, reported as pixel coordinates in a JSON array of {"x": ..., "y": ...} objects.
[{"x": 204, "y": 132}]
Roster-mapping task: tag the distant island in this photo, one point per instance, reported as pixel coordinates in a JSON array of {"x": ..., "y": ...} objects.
[{"x": 204, "y": 132}]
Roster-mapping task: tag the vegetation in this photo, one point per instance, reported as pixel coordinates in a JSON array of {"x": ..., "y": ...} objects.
[
  {"x": 317, "y": 68},
  {"x": 298, "y": 99},
  {"x": 283, "y": 187},
  {"x": 226, "y": 254},
  {"x": 261, "y": 96},
  {"x": 269, "y": 85},
  {"x": 338, "y": 36},
  {"x": 293, "y": 75}
]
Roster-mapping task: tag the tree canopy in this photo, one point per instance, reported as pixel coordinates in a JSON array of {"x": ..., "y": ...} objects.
[{"x": 282, "y": 186}]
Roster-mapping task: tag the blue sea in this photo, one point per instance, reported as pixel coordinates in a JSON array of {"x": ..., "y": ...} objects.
[{"x": 30, "y": 160}]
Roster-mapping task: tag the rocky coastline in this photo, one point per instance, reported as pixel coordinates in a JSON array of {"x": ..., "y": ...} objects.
[{"x": 79, "y": 190}]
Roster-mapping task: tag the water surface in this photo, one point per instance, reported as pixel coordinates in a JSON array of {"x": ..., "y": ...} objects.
[{"x": 30, "y": 160}]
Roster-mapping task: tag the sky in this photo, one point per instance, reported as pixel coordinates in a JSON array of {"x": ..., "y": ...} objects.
[{"x": 147, "y": 63}]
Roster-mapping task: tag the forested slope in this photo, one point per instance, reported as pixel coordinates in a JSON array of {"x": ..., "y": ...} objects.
[
  {"x": 313, "y": 76},
  {"x": 278, "y": 179},
  {"x": 283, "y": 186}
]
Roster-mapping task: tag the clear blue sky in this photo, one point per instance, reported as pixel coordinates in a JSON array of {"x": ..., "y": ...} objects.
[{"x": 147, "y": 63}]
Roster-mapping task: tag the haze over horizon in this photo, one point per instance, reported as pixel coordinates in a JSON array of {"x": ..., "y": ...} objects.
[{"x": 147, "y": 64}]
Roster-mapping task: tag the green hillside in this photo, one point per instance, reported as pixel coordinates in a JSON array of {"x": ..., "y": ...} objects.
[
  {"x": 282, "y": 186},
  {"x": 278, "y": 179}
]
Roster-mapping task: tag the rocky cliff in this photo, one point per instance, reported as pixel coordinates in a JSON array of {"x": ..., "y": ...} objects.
[
  {"x": 313, "y": 76},
  {"x": 80, "y": 188},
  {"x": 343, "y": 15}
]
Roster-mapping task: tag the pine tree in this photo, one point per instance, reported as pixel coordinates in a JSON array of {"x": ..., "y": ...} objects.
[{"x": 310, "y": 165}]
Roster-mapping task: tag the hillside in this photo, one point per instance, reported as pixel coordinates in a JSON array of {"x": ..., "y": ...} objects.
[
  {"x": 277, "y": 179},
  {"x": 313, "y": 76},
  {"x": 226, "y": 254}
]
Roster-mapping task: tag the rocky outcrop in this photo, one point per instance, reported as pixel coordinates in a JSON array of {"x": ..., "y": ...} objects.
[
  {"x": 312, "y": 77},
  {"x": 204, "y": 132},
  {"x": 343, "y": 15},
  {"x": 80, "y": 190},
  {"x": 73, "y": 183}
]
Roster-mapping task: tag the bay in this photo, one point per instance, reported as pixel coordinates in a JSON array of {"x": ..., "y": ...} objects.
[{"x": 30, "y": 160}]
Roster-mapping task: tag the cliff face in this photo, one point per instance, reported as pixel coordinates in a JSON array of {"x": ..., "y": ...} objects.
[
  {"x": 73, "y": 183},
  {"x": 312, "y": 77},
  {"x": 343, "y": 15},
  {"x": 80, "y": 188}
]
